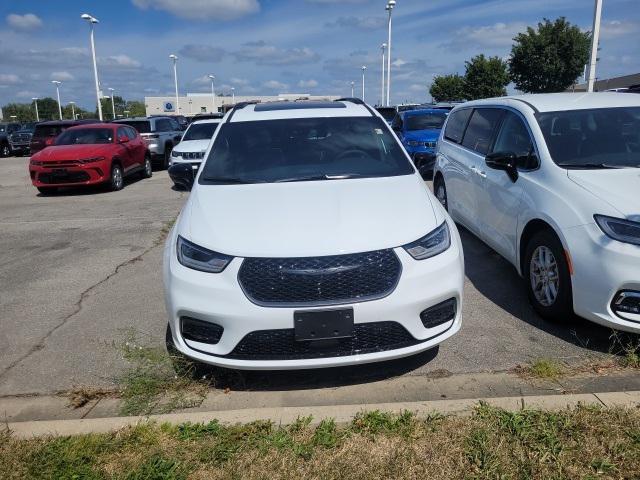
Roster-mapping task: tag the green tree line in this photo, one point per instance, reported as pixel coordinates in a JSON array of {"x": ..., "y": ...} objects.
[
  {"x": 547, "y": 59},
  {"x": 48, "y": 110}
]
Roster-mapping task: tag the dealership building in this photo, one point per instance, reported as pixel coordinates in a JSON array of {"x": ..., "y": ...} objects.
[{"x": 194, "y": 103}]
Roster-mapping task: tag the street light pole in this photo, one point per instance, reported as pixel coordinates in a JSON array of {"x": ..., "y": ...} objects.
[
  {"x": 390, "y": 5},
  {"x": 57, "y": 84},
  {"x": 363, "y": 70},
  {"x": 175, "y": 78},
  {"x": 92, "y": 21},
  {"x": 353, "y": 84},
  {"x": 213, "y": 93},
  {"x": 384, "y": 47},
  {"x": 73, "y": 110},
  {"x": 595, "y": 37},
  {"x": 35, "y": 100},
  {"x": 113, "y": 102}
]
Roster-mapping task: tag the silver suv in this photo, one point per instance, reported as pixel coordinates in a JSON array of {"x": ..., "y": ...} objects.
[{"x": 160, "y": 134}]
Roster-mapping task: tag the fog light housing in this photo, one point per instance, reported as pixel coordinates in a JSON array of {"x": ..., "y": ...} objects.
[
  {"x": 626, "y": 304},
  {"x": 438, "y": 314},
  {"x": 200, "y": 331}
]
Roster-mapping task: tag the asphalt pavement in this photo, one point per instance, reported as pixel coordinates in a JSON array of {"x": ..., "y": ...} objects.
[{"x": 81, "y": 270}]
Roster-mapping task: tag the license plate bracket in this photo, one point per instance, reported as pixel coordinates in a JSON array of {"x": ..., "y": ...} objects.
[{"x": 323, "y": 324}]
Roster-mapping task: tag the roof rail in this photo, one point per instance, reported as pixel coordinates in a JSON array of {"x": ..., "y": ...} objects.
[
  {"x": 240, "y": 106},
  {"x": 357, "y": 101}
]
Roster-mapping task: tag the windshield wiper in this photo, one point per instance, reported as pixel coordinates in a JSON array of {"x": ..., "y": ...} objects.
[
  {"x": 232, "y": 180},
  {"x": 308, "y": 178},
  {"x": 590, "y": 165}
]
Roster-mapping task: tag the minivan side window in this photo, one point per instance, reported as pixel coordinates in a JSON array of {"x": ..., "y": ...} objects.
[
  {"x": 514, "y": 137},
  {"x": 456, "y": 124},
  {"x": 480, "y": 130}
]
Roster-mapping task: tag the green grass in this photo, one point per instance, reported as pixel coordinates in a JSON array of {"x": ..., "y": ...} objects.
[
  {"x": 585, "y": 443},
  {"x": 545, "y": 368}
]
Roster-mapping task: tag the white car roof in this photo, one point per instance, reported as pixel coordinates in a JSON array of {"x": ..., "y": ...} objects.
[
  {"x": 299, "y": 109},
  {"x": 207, "y": 120},
  {"x": 553, "y": 102}
]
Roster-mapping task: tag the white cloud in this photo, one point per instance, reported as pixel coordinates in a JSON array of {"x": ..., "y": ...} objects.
[
  {"x": 499, "y": 35},
  {"x": 275, "y": 85},
  {"x": 28, "y": 21},
  {"x": 9, "y": 79},
  {"x": 416, "y": 87},
  {"x": 120, "y": 61},
  {"x": 619, "y": 28},
  {"x": 202, "y": 9},
  {"x": 263, "y": 54},
  {"x": 363, "y": 23},
  {"x": 399, "y": 62},
  {"x": 307, "y": 83},
  {"x": 26, "y": 94},
  {"x": 62, "y": 76},
  {"x": 242, "y": 82},
  {"x": 202, "y": 53}
]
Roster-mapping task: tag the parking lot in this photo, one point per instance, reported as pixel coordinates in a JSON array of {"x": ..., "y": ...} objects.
[{"x": 81, "y": 270}]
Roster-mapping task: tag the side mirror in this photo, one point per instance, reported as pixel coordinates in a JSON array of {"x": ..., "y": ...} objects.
[
  {"x": 506, "y": 161},
  {"x": 182, "y": 175},
  {"x": 123, "y": 139}
]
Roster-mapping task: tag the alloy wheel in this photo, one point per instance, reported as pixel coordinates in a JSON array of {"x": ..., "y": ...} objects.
[
  {"x": 544, "y": 276},
  {"x": 116, "y": 178},
  {"x": 441, "y": 195},
  {"x": 148, "y": 169},
  {"x": 5, "y": 151}
]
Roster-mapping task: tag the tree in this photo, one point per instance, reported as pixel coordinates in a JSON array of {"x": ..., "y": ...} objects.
[
  {"x": 136, "y": 108},
  {"x": 485, "y": 77},
  {"x": 549, "y": 59},
  {"x": 447, "y": 88}
]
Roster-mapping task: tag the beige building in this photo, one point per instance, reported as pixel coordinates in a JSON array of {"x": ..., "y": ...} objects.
[{"x": 194, "y": 103}]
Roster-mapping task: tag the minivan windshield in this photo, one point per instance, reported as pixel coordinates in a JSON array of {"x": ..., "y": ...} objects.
[
  {"x": 200, "y": 131},
  {"x": 593, "y": 139},
  {"x": 304, "y": 149},
  {"x": 85, "y": 136},
  {"x": 425, "y": 121}
]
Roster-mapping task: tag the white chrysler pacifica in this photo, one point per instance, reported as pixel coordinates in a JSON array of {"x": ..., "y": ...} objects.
[
  {"x": 309, "y": 240},
  {"x": 552, "y": 183}
]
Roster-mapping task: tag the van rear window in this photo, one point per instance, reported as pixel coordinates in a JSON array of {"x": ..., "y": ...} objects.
[{"x": 456, "y": 124}]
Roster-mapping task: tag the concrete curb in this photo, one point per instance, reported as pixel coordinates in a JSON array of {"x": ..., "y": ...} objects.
[{"x": 341, "y": 413}]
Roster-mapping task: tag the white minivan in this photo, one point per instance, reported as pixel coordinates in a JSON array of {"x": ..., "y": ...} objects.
[
  {"x": 552, "y": 183},
  {"x": 309, "y": 240}
]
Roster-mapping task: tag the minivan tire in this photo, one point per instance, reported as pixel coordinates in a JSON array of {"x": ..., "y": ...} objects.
[
  {"x": 550, "y": 271},
  {"x": 440, "y": 192}
]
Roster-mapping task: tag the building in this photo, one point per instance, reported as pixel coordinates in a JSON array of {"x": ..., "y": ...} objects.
[
  {"x": 194, "y": 103},
  {"x": 625, "y": 81}
]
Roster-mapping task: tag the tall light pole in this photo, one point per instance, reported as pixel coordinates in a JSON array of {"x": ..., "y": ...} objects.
[
  {"x": 364, "y": 68},
  {"x": 175, "y": 78},
  {"x": 390, "y": 5},
  {"x": 233, "y": 95},
  {"x": 73, "y": 110},
  {"x": 92, "y": 21},
  {"x": 126, "y": 113},
  {"x": 113, "y": 102},
  {"x": 213, "y": 93},
  {"x": 35, "y": 101},
  {"x": 595, "y": 37},
  {"x": 353, "y": 84},
  {"x": 383, "y": 47},
  {"x": 57, "y": 84}
]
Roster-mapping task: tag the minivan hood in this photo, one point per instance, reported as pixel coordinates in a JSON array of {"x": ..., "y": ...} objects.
[
  {"x": 192, "y": 146},
  {"x": 71, "y": 152},
  {"x": 618, "y": 187},
  {"x": 314, "y": 218}
]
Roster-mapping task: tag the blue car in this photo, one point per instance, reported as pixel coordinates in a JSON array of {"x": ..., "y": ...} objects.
[{"x": 419, "y": 131}]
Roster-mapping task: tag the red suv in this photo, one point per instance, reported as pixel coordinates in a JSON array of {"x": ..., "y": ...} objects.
[{"x": 100, "y": 153}]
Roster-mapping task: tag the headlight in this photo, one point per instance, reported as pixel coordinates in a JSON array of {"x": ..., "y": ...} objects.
[
  {"x": 175, "y": 154},
  {"x": 198, "y": 258},
  {"x": 431, "y": 244},
  {"x": 414, "y": 143},
  {"x": 619, "y": 229},
  {"x": 92, "y": 159}
]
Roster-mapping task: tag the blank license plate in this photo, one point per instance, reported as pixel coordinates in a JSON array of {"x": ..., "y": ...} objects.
[{"x": 323, "y": 324}]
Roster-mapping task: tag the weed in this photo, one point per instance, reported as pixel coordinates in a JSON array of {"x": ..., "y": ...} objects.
[
  {"x": 158, "y": 467},
  {"x": 545, "y": 368},
  {"x": 376, "y": 422}
]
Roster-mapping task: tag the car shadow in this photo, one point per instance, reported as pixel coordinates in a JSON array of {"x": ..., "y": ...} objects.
[
  {"x": 90, "y": 189},
  {"x": 498, "y": 281}
]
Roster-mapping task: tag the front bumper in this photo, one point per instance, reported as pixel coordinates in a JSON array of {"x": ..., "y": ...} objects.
[
  {"x": 218, "y": 298},
  {"x": 195, "y": 164},
  {"x": 19, "y": 147},
  {"x": 69, "y": 174},
  {"x": 603, "y": 267}
]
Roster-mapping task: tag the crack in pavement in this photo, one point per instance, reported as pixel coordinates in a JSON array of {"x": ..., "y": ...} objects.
[{"x": 79, "y": 304}]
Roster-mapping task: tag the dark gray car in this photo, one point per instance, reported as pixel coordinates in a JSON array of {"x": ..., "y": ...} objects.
[{"x": 160, "y": 134}]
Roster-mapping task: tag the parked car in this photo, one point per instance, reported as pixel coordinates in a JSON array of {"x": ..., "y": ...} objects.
[
  {"x": 291, "y": 253},
  {"x": 418, "y": 131},
  {"x": 161, "y": 134},
  {"x": 205, "y": 116},
  {"x": 194, "y": 143},
  {"x": 388, "y": 113},
  {"x": 20, "y": 140},
  {"x": 45, "y": 133},
  {"x": 405, "y": 107},
  {"x": 6, "y": 129},
  {"x": 92, "y": 154},
  {"x": 551, "y": 183}
]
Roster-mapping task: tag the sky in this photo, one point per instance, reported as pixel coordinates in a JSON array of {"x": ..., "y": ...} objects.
[{"x": 267, "y": 47}]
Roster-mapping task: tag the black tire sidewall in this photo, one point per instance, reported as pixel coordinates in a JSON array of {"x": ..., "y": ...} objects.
[
  {"x": 562, "y": 308},
  {"x": 440, "y": 183},
  {"x": 145, "y": 174},
  {"x": 167, "y": 156},
  {"x": 5, "y": 151}
]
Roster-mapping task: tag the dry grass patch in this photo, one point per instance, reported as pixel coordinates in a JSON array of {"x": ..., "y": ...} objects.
[{"x": 584, "y": 442}]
